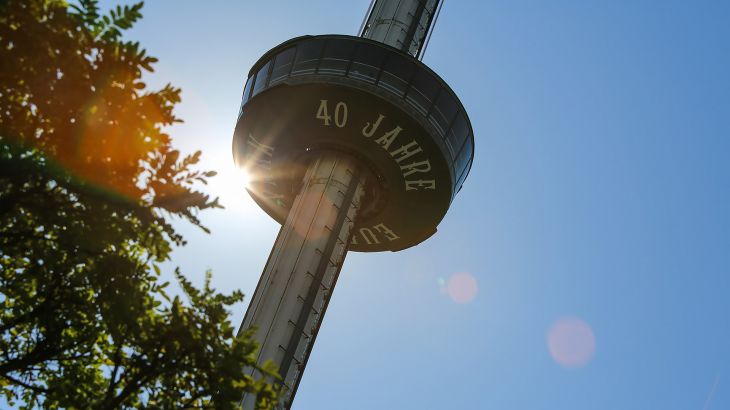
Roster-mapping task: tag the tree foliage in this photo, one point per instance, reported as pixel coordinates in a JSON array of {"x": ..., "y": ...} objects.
[{"x": 89, "y": 182}]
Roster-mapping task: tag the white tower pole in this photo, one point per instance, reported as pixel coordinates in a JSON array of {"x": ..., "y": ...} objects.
[{"x": 297, "y": 282}]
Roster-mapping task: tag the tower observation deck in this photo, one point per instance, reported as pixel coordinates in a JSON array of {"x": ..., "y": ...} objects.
[{"x": 352, "y": 144}]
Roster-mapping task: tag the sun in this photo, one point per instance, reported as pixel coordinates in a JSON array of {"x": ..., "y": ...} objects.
[
  {"x": 230, "y": 186},
  {"x": 244, "y": 177}
]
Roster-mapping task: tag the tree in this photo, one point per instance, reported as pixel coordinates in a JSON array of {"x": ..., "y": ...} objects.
[{"x": 89, "y": 182}]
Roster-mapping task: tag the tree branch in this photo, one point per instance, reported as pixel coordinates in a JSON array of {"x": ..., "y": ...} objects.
[{"x": 36, "y": 389}]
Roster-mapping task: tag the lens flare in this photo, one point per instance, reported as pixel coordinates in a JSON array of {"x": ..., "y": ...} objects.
[
  {"x": 244, "y": 177},
  {"x": 462, "y": 287},
  {"x": 230, "y": 186},
  {"x": 571, "y": 342}
]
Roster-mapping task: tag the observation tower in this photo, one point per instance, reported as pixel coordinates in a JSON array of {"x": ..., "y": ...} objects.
[{"x": 351, "y": 143}]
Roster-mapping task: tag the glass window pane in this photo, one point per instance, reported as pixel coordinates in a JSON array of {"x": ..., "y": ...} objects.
[
  {"x": 464, "y": 173},
  {"x": 443, "y": 111},
  {"x": 364, "y": 72},
  {"x": 423, "y": 90},
  {"x": 336, "y": 57},
  {"x": 367, "y": 62},
  {"x": 452, "y": 145},
  {"x": 393, "y": 84},
  {"x": 460, "y": 127},
  {"x": 397, "y": 71},
  {"x": 261, "y": 76},
  {"x": 399, "y": 66},
  {"x": 282, "y": 65},
  {"x": 457, "y": 134},
  {"x": 246, "y": 89},
  {"x": 308, "y": 54},
  {"x": 464, "y": 156}
]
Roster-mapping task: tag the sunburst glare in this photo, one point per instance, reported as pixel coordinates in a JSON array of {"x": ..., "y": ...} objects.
[{"x": 230, "y": 186}]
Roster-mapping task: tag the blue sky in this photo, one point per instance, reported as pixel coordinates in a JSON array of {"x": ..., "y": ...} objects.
[{"x": 600, "y": 191}]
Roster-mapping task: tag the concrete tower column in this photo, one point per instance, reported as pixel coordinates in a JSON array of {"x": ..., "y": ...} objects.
[
  {"x": 403, "y": 24},
  {"x": 297, "y": 282}
]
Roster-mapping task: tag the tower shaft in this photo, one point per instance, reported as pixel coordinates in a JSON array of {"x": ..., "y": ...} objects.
[
  {"x": 296, "y": 285},
  {"x": 403, "y": 24}
]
